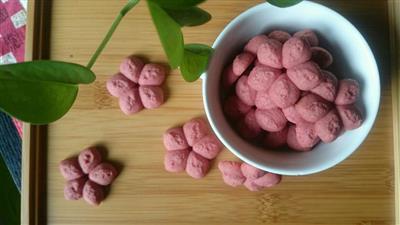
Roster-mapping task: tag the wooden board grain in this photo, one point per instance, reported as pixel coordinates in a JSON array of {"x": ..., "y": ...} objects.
[
  {"x": 394, "y": 22},
  {"x": 358, "y": 191}
]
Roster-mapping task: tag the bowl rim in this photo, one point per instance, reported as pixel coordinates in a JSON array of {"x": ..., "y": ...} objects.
[{"x": 293, "y": 172}]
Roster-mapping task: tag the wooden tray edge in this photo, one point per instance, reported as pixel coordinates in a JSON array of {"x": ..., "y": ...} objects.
[
  {"x": 394, "y": 22},
  {"x": 34, "y": 142},
  {"x": 25, "y": 189},
  {"x": 33, "y": 201}
]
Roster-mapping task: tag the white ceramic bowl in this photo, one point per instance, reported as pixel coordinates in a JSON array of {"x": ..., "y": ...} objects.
[{"x": 353, "y": 59}]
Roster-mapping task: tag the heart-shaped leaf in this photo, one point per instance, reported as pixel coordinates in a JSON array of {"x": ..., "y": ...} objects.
[
  {"x": 41, "y": 92},
  {"x": 169, "y": 32},
  {"x": 177, "y": 4},
  {"x": 195, "y": 61},
  {"x": 192, "y": 16},
  {"x": 284, "y": 3}
]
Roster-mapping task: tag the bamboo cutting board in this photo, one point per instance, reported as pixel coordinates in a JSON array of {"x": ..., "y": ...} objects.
[{"x": 358, "y": 191}]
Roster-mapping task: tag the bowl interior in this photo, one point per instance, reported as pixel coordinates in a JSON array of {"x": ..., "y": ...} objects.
[{"x": 352, "y": 59}]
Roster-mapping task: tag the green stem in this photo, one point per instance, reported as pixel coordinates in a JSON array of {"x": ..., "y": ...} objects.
[{"x": 122, "y": 13}]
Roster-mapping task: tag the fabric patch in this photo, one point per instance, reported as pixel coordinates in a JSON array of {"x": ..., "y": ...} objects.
[
  {"x": 12, "y": 29},
  {"x": 19, "y": 19},
  {"x": 24, "y": 4},
  {"x": 8, "y": 58}
]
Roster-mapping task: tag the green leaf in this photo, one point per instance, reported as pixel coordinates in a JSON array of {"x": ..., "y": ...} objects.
[
  {"x": 195, "y": 61},
  {"x": 10, "y": 198},
  {"x": 41, "y": 92},
  {"x": 169, "y": 32},
  {"x": 284, "y": 3},
  {"x": 177, "y": 4},
  {"x": 192, "y": 16},
  {"x": 46, "y": 70}
]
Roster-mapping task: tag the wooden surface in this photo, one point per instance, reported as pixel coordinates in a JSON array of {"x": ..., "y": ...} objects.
[
  {"x": 358, "y": 191},
  {"x": 394, "y": 21}
]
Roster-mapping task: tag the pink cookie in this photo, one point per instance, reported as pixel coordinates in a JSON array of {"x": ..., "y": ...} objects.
[
  {"x": 257, "y": 63},
  {"x": 251, "y": 172},
  {"x": 262, "y": 77},
  {"x": 348, "y": 92},
  {"x": 312, "y": 107},
  {"x": 276, "y": 139},
  {"x": 152, "y": 96},
  {"x": 254, "y": 43},
  {"x": 208, "y": 147},
  {"x": 305, "y": 76},
  {"x": 268, "y": 180},
  {"x": 175, "y": 161},
  {"x": 308, "y": 35},
  {"x": 321, "y": 56},
  {"x": 118, "y": 84},
  {"x": 292, "y": 140},
  {"x": 263, "y": 101},
  {"x": 242, "y": 62},
  {"x": 152, "y": 75},
  {"x": 174, "y": 139},
  {"x": 130, "y": 102},
  {"x": 234, "y": 108},
  {"x": 295, "y": 51},
  {"x": 73, "y": 189},
  {"x": 245, "y": 92},
  {"x": 248, "y": 128},
  {"x": 271, "y": 120},
  {"x": 89, "y": 159},
  {"x": 231, "y": 173},
  {"x": 103, "y": 174},
  {"x": 270, "y": 53},
  {"x": 195, "y": 129},
  {"x": 350, "y": 115},
  {"x": 279, "y": 35},
  {"x": 131, "y": 68},
  {"x": 70, "y": 169},
  {"x": 283, "y": 92},
  {"x": 329, "y": 127},
  {"x": 292, "y": 115},
  {"x": 306, "y": 135},
  {"x": 251, "y": 185},
  {"x": 93, "y": 193},
  {"x": 228, "y": 78},
  {"x": 328, "y": 87},
  {"x": 197, "y": 166}
]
